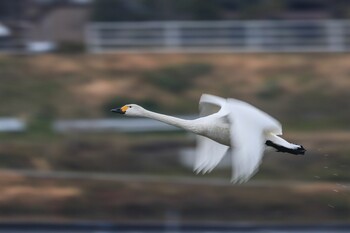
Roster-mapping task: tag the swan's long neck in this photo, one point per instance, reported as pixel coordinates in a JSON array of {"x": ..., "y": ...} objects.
[{"x": 181, "y": 123}]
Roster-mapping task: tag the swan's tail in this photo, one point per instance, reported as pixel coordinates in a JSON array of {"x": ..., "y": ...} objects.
[{"x": 282, "y": 145}]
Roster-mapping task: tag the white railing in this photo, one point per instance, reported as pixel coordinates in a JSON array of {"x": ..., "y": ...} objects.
[{"x": 220, "y": 36}]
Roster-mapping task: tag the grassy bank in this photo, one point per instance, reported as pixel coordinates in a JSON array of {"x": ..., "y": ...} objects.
[{"x": 303, "y": 91}]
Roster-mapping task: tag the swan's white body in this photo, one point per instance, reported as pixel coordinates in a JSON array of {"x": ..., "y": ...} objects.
[{"x": 224, "y": 124}]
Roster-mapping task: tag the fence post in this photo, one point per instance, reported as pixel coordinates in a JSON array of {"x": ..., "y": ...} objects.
[
  {"x": 172, "y": 36},
  {"x": 335, "y": 36},
  {"x": 92, "y": 38},
  {"x": 254, "y": 37}
]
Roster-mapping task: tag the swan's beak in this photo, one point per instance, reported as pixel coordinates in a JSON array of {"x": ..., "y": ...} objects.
[{"x": 118, "y": 110}]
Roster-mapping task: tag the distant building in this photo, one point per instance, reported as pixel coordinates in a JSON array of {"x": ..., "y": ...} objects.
[
  {"x": 60, "y": 23},
  {"x": 40, "y": 25}
]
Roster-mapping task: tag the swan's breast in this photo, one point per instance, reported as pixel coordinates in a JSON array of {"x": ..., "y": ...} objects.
[{"x": 219, "y": 133}]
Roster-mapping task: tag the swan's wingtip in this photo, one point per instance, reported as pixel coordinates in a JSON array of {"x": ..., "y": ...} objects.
[
  {"x": 236, "y": 181},
  {"x": 240, "y": 178},
  {"x": 197, "y": 170}
]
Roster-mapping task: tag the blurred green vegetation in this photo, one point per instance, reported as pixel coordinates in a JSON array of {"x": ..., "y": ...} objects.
[
  {"x": 71, "y": 47},
  {"x": 270, "y": 90},
  {"x": 177, "y": 78}
]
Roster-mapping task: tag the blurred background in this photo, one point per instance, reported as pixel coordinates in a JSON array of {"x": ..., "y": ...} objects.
[{"x": 65, "y": 63}]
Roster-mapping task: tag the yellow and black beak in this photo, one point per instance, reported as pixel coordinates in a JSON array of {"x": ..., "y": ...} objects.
[{"x": 121, "y": 110}]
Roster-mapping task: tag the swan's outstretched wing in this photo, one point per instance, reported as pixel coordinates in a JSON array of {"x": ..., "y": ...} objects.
[
  {"x": 210, "y": 104},
  {"x": 248, "y": 128},
  {"x": 208, "y": 152}
]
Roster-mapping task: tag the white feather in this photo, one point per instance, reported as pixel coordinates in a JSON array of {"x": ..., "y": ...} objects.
[
  {"x": 208, "y": 154},
  {"x": 248, "y": 128}
]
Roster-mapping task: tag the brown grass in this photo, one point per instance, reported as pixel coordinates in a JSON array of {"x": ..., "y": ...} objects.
[{"x": 36, "y": 195}]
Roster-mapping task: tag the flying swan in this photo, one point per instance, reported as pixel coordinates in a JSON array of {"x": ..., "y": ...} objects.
[{"x": 223, "y": 124}]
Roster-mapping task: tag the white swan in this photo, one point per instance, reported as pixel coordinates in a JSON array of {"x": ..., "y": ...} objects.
[{"x": 226, "y": 123}]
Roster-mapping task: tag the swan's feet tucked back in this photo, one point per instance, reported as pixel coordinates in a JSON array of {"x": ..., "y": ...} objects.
[{"x": 297, "y": 151}]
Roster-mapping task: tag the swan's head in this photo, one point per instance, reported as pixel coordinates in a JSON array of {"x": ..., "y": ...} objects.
[{"x": 130, "y": 110}]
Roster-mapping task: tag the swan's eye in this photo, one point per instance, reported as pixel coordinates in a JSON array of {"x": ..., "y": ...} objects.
[{"x": 130, "y": 106}]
